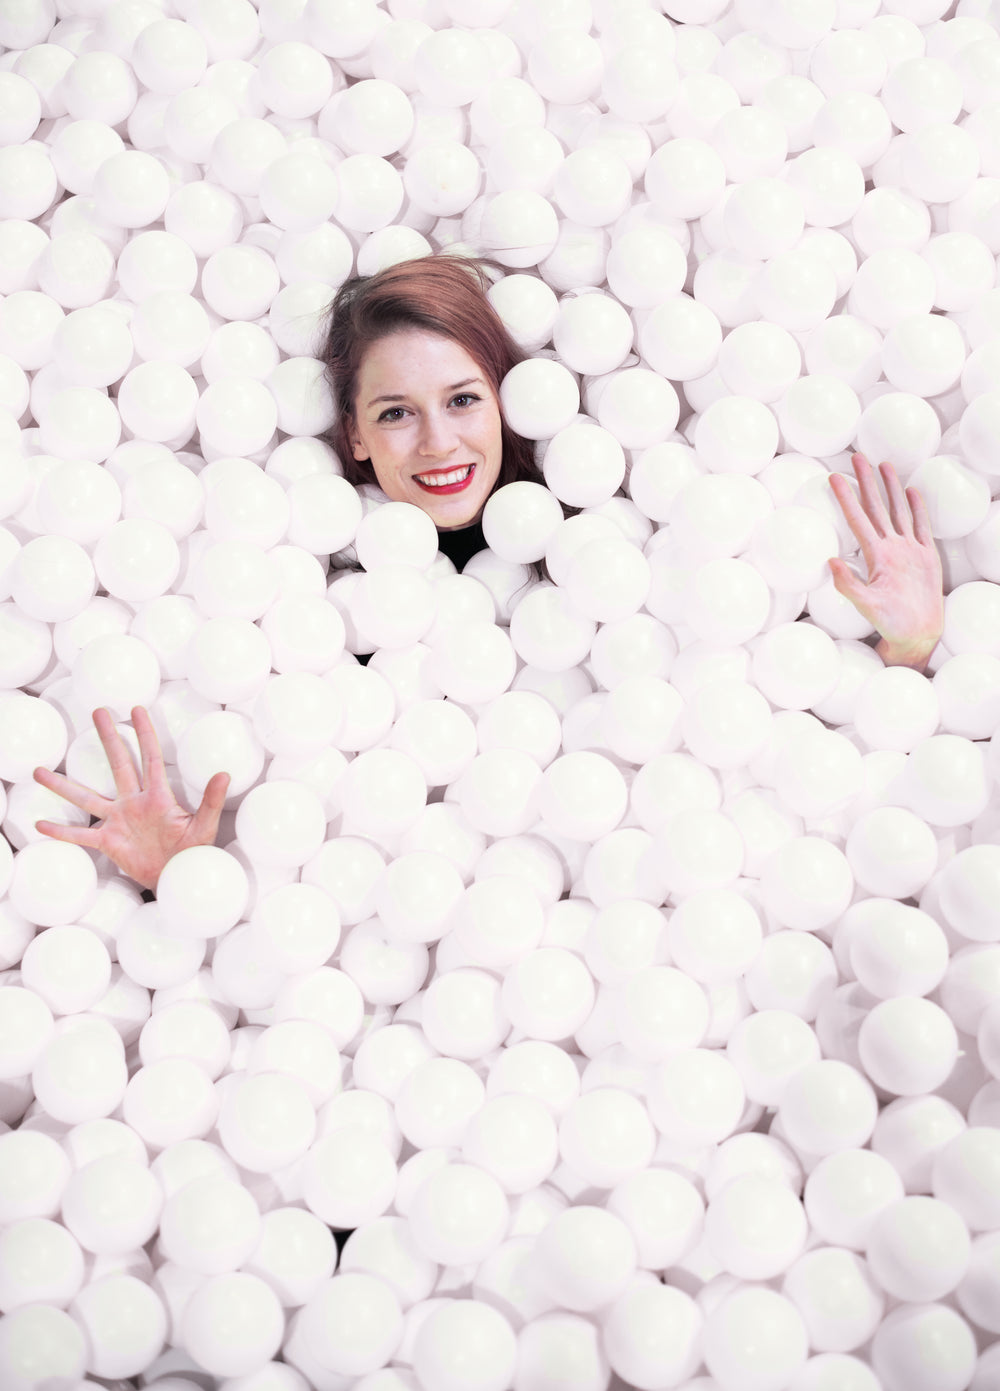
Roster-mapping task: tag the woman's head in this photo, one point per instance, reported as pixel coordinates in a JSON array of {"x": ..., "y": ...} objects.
[{"x": 424, "y": 334}]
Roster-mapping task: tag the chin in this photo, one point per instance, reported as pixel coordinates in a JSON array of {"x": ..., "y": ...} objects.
[{"x": 452, "y": 518}]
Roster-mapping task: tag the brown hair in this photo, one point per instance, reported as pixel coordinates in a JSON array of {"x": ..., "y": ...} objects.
[{"x": 441, "y": 293}]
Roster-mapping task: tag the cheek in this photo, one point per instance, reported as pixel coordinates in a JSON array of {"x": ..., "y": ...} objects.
[
  {"x": 385, "y": 467},
  {"x": 494, "y": 448}
]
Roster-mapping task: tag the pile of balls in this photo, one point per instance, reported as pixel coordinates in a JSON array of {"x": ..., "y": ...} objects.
[{"x": 616, "y": 954}]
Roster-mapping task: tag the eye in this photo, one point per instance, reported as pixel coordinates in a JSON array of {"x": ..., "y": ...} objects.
[
  {"x": 466, "y": 398},
  {"x": 391, "y": 414}
]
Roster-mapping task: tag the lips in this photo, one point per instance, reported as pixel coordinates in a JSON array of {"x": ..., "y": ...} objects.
[{"x": 454, "y": 480}]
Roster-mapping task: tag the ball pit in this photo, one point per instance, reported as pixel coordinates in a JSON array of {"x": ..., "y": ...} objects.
[{"x": 612, "y": 964}]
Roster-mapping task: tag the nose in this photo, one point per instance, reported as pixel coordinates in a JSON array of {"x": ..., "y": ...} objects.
[{"x": 438, "y": 437}]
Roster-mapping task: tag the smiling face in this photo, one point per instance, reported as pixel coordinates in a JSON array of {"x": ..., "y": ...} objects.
[{"x": 429, "y": 422}]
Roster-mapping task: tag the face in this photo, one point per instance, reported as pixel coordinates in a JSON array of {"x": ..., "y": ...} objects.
[{"x": 430, "y": 423}]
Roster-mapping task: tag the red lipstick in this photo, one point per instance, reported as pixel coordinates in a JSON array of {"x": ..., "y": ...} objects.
[{"x": 446, "y": 489}]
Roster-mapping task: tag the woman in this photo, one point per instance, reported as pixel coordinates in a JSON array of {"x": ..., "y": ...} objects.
[{"x": 416, "y": 356}]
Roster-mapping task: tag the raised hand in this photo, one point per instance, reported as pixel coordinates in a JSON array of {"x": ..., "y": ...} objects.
[
  {"x": 903, "y": 595},
  {"x": 143, "y": 825}
]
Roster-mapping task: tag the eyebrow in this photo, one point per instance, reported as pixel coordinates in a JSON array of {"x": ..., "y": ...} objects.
[{"x": 469, "y": 381}]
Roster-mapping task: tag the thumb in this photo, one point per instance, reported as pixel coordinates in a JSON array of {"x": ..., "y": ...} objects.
[
  {"x": 846, "y": 582},
  {"x": 205, "y": 822}
]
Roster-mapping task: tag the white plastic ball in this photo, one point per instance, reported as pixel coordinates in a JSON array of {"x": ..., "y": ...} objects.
[
  {"x": 685, "y": 177},
  {"x": 653, "y": 1334},
  {"x": 137, "y": 559},
  {"x": 131, "y": 189},
  {"x": 298, "y": 192},
  {"x": 80, "y": 500},
  {"x": 374, "y": 116},
  {"x": 514, "y": 1138},
  {"x": 585, "y": 1257},
  {"x": 203, "y": 216},
  {"x": 714, "y": 934},
  {"x": 681, "y": 337},
  {"x": 228, "y": 659},
  {"x": 40, "y": 1339},
  {"x": 756, "y": 1227},
  {"x": 646, "y": 265},
  {"x": 918, "y": 1248},
  {"x": 962, "y": 268},
  {"x": 955, "y": 498},
  {"x": 754, "y": 1338},
  {"x": 894, "y": 949},
  {"x": 837, "y": 1298},
  {"x": 464, "y": 1345},
  {"x": 910, "y": 1326},
  {"x": 29, "y": 180},
  {"x": 53, "y": 883},
  {"x": 539, "y": 398},
  {"x": 112, "y": 1205},
  {"x": 908, "y": 1046},
  {"x": 724, "y": 725},
  {"x": 27, "y": 1027},
  {"x": 796, "y": 289},
  {"x": 68, "y": 967},
  {"x": 807, "y": 883},
  {"x": 29, "y": 321},
  {"x": 294, "y": 80},
  {"x": 945, "y": 781},
  {"x": 125, "y": 1321},
  {"x": 234, "y": 1326},
  {"x": 961, "y": 1176},
  {"x": 384, "y": 790},
  {"x": 791, "y": 547},
  {"x": 768, "y": 1048},
  {"x": 607, "y": 1135},
  {"x": 80, "y": 1074},
  {"x": 370, "y": 193},
  {"x": 548, "y": 993},
  {"x": 80, "y": 422},
  {"x": 827, "y": 1106},
  {"x": 696, "y": 1097},
  {"x": 966, "y": 894},
  {"x": 241, "y": 152},
  {"x": 638, "y": 407},
  {"x": 520, "y": 518},
  {"x": 845, "y": 1192},
  {"x": 592, "y": 186},
  {"x": 892, "y": 853},
  {"x": 40, "y": 1262},
  {"x": 202, "y": 892},
  {"x": 458, "y": 1214},
  {"x": 520, "y": 226},
  {"x": 281, "y": 823}
]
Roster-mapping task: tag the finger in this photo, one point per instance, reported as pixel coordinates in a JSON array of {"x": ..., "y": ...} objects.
[
  {"x": 83, "y": 797},
  {"x": 862, "y": 529},
  {"x": 154, "y": 774},
  {"x": 205, "y": 822},
  {"x": 87, "y": 836},
  {"x": 899, "y": 512},
  {"x": 871, "y": 498},
  {"x": 921, "y": 521},
  {"x": 847, "y": 583},
  {"x": 119, "y": 758}
]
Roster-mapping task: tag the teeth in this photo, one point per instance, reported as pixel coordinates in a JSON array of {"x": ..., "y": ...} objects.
[{"x": 444, "y": 480}]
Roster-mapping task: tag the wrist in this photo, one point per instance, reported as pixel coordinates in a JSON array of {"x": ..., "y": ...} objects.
[{"x": 907, "y": 654}]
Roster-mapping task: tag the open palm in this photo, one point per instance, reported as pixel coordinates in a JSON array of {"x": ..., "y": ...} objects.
[
  {"x": 902, "y": 596},
  {"x": 143, "y": 825}
]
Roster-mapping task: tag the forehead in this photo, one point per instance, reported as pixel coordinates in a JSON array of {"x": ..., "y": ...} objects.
[{"x": 414, "y": 360}]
